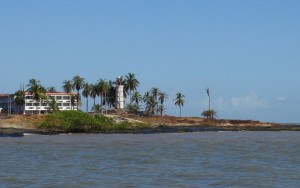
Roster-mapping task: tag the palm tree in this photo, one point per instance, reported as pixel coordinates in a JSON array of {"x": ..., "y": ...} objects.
[
  {"x": 150, "y": 103},
  {"x": 19, "y": 99},
  {"x": 146, "y": 96},
  {"x": 160, "y": 109},
  {"x": 208, "y": 94},
  {"x": 154, "y": 92},
  {"x": 51, "y": 89},
  {"x": 136, "y": 97},
  {"x": 93, "y": 92},
  {"x": 72, "y": 100},
  {"x": 162, "y": 97},
  {"x": 111, "y": 94},
  {"x": 78, "y": 83},
  {"x": 179, "y": 101},
  {"x": 53, "y": 107},
  {"x": 100, "y": 90},
  {"x": 97, "y": 108},
  {"x": 36, "y": 90},
  {"x": 86, "y": 93},
  {"x": 131, "y": 83},
  {"x": 67, "y": 87},
  {"x": 105, "y": 90}
]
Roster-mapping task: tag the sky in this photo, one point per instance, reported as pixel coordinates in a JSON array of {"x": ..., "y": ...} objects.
[{"x": 246, "y": 52}]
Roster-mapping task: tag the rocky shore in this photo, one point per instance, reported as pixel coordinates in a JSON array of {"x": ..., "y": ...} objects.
[{"x": 20, "y": 124}]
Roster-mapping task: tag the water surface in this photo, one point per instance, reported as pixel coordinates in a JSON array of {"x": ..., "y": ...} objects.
[{"x": 206, "y": 159}]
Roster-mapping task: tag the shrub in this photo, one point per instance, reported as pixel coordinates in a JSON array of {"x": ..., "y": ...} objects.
[
  {"x": 77, "y": 121},
  {"x": 209, "y": 114}
]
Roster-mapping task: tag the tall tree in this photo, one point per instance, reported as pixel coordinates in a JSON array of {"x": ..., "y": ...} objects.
[
  {"x": 100, "y": 90},
  {"x": 208, "y": 94},
  {"x": 150, "y": 103},
  {"x": 160, "y": 109},
  {"x": 131, "y": 83},
  {"x": 111, "y": 94},
  {"x": 86, "y": 93},
  {"x": 179, "y": 101},
  {"x": 93, "y": 92},
  {"x": 105, "y": 90},
  {"x": 67, "y": 87},
  {"x": 72, "y": 100},
  {"x": 154, "y": 92},
  {"x": 136, "y": 97},
  {"x": 19, "y": 99},
  {"x": 162, "y": 97},
  {"x": 36, "y": 90},
  {"x": 78, "y": 83}
]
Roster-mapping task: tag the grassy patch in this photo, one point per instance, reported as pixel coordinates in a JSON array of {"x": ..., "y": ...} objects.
[{"x": 80, "y": 122}]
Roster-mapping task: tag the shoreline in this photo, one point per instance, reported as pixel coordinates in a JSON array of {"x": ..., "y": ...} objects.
[
  {"x": 17, "y": 132},
  {"x": 16, "y": 126}
]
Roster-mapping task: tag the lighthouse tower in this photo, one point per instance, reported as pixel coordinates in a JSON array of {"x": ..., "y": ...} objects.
[{"x": 119, "y": 94}]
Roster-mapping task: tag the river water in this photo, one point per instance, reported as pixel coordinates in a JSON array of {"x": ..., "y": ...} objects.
[{"x": 205, "y": 159}]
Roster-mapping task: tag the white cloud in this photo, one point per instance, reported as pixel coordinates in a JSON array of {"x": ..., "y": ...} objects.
[
  {"x": 249, "y": 101},
  {"x": 242, "y": 102},
  {"x": 221, "y": 103},
  {"x": 281, "y": 99}
]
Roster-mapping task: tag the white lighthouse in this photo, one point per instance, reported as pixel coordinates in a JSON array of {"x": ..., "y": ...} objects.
[{"x": 119, "y": 94}]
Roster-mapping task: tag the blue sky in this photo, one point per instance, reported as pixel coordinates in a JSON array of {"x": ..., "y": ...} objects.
[{"x": 246, "y": 52}]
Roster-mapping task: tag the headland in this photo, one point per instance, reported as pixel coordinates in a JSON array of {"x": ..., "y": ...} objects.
[{"x": 17, "y": 125}]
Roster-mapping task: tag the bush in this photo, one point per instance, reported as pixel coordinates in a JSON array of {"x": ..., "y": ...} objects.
[
  {"x": 79, "y": 122},
  {"x": 209, "y": 114}
]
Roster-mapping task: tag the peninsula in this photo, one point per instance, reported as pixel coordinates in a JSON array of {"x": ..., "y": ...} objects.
[{"x": 17, "y": 125}]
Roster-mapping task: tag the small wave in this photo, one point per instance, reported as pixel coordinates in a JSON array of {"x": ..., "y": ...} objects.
[{"x": 28, "y": 134}]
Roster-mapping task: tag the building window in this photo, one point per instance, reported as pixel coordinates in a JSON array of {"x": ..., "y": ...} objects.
[
  {"x": 28, "y": 97},
  {"x": 58, "y": 97},
  {"x": 66, "y": 104},
  {"x": 66, "y": 98}
]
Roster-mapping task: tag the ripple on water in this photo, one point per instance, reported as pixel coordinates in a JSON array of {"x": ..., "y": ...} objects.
[{"x": 212, "y": 159}]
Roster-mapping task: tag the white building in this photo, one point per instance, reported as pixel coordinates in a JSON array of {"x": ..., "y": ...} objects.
[
  {"x": 120, "y": 97},
  {"x": 62, "y": 99}
]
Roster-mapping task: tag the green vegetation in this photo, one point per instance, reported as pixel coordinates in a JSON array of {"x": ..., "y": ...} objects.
[
  {"x": 179, "y": 101},
  {"x": 150, "y": 103},
  {"x": 80, "y": 122},
  {"x": 212, "y": 114},
  {"x": 78, "y": 83},
  {"x": 37, "y": 91}
]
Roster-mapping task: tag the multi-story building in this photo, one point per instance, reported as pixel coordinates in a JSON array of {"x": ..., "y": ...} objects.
[
  {"x": 31, "y": 106},
  {"x": 7, "y": 103}
]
